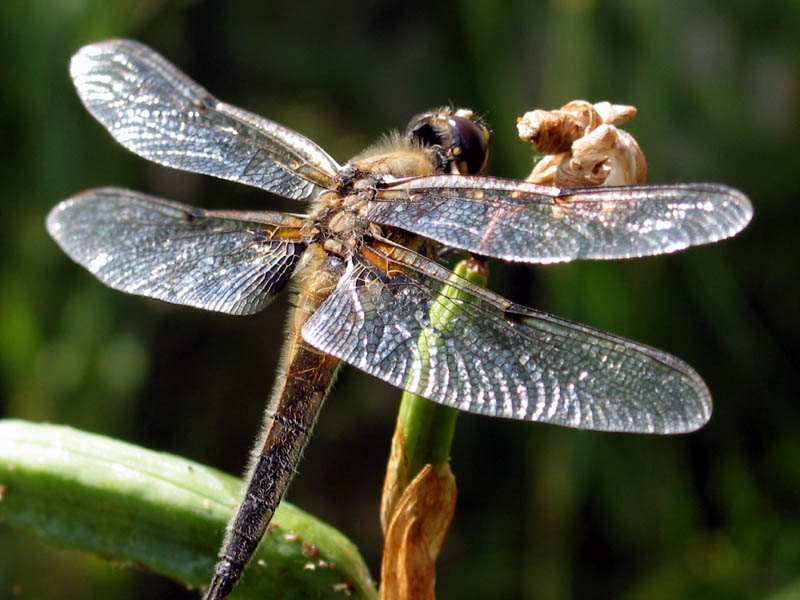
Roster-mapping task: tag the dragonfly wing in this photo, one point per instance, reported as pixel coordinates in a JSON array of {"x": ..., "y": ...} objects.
[
  {"x": 526, "y": 222},
  {"x": 156, "y": 111},
  {"x": 491, "y": 357},
  {"x": 152, "y": 247}
]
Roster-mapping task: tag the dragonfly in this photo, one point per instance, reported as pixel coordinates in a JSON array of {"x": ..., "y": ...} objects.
[{"x": 365, "y": 254}]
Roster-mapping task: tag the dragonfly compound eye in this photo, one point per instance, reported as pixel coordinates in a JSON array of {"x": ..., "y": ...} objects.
[
  {"x": 464, "y": 141},
  {"x": 470, "y": 147}
]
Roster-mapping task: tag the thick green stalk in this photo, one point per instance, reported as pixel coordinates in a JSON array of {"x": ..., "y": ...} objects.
[{"x": 428, "y": 427}]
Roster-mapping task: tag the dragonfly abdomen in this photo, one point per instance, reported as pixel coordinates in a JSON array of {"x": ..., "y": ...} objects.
[{"x": 289, "y": 418}]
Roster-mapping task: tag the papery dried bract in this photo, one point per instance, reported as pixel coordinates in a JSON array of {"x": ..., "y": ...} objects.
[
  {"x": 582, "y": 145},
  {"x": 416, "y": 530}
]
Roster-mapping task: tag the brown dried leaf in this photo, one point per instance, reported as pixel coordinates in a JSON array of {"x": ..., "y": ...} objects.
[
  {"x": 550, "y": 132},
  {"x": 614, "y": 114},
  {"x": 396, "y": 479},
  {"x": 544, "y": 171},
  {"x": 606, "y": 156},
  {"x": 417, "y": 529}
]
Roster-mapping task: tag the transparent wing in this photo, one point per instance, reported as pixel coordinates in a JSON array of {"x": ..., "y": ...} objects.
[
  {"x": 525, "y": 222},
  {"x": 216, "y": 260},
  {"x": 156, "y": 111},
  {"x": 479, "y": 353}
]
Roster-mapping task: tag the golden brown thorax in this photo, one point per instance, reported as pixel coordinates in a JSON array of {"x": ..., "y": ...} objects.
[{"x": 341, "y": 220}]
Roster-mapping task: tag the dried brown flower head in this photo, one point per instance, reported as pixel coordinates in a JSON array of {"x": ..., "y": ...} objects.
[{"x": 583, "y": 146}]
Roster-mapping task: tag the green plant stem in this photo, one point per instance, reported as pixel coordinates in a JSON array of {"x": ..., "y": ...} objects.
[{"x": 428, "y": 428}]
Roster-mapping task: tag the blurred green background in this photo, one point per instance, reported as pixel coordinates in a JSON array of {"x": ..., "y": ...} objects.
[{"x": 543, "y": 513}]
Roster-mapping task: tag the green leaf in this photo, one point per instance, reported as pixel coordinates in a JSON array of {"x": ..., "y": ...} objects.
[{"x": 162, "y": 513}]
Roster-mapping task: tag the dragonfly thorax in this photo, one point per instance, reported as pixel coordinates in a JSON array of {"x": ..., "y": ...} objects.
[
  {"x": 341, "y": 216},
  {"x": 340, "y": 222},
  {"x": 395, "y": 156}
]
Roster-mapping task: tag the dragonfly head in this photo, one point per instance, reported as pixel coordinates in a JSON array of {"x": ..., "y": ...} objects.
[{"x": 458, "y": 137}]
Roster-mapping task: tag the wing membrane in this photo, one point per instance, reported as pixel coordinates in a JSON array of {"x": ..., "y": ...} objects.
[
  {"x": 156, "y": 111},
  {"x": 152, "y": 247},
  {"x": 525, "y": 222},
  {"x": 491, "y": 357}
]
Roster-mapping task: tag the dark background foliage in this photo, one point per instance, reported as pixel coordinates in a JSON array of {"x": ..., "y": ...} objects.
[{"x": 543, "y": 512}]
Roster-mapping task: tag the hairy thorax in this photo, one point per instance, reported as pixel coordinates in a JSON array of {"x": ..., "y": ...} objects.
[{"x": 340, "y": 218}]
